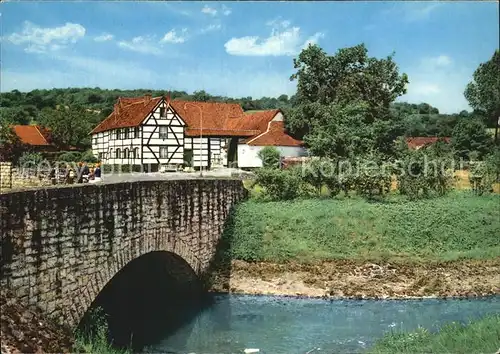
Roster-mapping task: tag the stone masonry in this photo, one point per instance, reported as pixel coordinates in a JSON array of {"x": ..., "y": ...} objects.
[{"x": 60, "y": 246}]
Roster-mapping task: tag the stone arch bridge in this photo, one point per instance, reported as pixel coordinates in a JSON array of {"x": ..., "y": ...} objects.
[{"x": 61, "y": 246}]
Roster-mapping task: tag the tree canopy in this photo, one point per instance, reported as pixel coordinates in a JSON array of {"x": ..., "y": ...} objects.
[
  {"x": 483, "y": 92},
  {"x": 344, "y": 100}
]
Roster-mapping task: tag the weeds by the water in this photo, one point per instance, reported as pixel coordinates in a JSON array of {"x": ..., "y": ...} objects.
[
  {"x": 480, "y": 336},
  {"x": 95, "y": 339},
  {"x": 458, "y": 226}
]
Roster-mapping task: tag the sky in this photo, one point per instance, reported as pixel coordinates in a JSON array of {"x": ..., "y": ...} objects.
[{"x": 239, "y": 49}]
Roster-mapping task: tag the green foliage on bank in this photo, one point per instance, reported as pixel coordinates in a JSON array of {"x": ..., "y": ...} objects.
[
  {"x": 479, "y": 336},
  {"x": 457, "y": 226},
  {"x": 95, "y": 339}
]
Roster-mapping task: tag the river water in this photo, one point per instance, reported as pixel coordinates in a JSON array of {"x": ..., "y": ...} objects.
[{"x": 299, "y": 325}]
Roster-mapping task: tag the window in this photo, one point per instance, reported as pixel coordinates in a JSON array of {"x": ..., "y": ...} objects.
[
  {"x": 125, "y": 133},
  {"x": 117, "y": 134},
  {"x": 136, "y": 132},
  {"x": 163, "y": 112},
  {"x": 100, "y": 156},
  {"x": 163, "y": 132},
  {"x": 125, "y": 154},
  {"x": 117, "y": 153},
  {"x": 95, "y": 141},
  {"x": 136, "y": 153},
  {"x": 163, "y": 152}
]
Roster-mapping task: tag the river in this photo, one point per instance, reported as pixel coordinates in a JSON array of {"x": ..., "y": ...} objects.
[{"x": 276, "y": 324}]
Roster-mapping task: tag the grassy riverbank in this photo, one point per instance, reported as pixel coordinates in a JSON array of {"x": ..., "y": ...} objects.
[
  {"x": 458, "y": 226},
  {"x": 479, "y": 336}
]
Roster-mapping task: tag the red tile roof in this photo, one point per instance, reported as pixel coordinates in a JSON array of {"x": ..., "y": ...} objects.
[
  {"x": 420, "y": 141},
  {"x": 32, "y": 135},
  {"x": 130, "y": 112},
  {"x": 218, "y": 119},
  {"x": 221, "y": 132},
  {"x": 256, "y": 121},
  {"x": 274, "y": 136}
]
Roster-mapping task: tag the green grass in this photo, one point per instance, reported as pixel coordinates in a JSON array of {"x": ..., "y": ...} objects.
[
  {"x": 479, "y": 336},
  {"x": 458, "y": 226},
  {"x": 95, "y": 339}
]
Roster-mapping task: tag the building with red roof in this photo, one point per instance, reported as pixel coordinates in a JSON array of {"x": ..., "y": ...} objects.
[
  {"x": 35, "y": 138},
  {"x": 157, "y": 131},
  {"x": 418, "y": 142}
]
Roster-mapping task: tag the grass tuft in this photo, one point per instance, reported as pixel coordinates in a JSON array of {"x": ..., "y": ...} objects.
[{"x": 479, "y": 336}]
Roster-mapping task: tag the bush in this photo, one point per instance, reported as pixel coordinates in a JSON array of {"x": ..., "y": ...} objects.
[
  {"x": 70, "y": 156},
  {"x": 421, "y": 174},
  {"x": 373, "y": 178},
  {"x": 279, "y": 184},
  {"x": 270, "y": 157},
  {"x": 316, "y": 173},
  {"x": 483, "y": 174},
  {"x": 89, "y": 157},
  {"x": 30, "y": 159}
]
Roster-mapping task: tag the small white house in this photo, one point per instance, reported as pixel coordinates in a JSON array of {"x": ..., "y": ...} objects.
[{"x": 273, "y": 134}]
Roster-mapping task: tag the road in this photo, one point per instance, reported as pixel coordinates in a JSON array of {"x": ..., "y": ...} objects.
[{"x": 140, "y": 176}]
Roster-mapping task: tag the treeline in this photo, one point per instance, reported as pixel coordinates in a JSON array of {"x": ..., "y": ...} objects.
[
  {"x": 73, "y": 112},
  {"x": 25, "y": 107}
]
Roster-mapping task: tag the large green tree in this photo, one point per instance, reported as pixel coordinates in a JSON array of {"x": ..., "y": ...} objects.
[
  {"x": 343, "y": 101},
  {"x": 470, "y": 136},
  {"x": 483, "y": 92},
  {"x": 70, "y": 126}
]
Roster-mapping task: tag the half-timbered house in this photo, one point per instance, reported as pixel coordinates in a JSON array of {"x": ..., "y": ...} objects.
[{"x": 160, "y": 133}]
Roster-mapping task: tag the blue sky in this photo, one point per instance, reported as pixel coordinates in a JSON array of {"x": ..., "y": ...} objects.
[{"x": 239, "y": 48}]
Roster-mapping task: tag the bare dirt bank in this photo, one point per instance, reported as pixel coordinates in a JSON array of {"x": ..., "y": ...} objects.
[
  {"x": 350, "y": 279},
  {"x": 25, "y": 330}
]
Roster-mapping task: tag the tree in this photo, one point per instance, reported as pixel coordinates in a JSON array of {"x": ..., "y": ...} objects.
[
  {"x": 11, "y": 147},
  {"x": 270, "y": 157},
  {"x": 470, "y": 135},
  {"x": 343, "y": 101},
  {"x": 483, "y": 92},
  {"x": 69, "y": 126}
]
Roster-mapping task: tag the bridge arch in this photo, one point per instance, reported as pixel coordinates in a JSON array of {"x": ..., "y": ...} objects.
[{"x": 150, "y": 297}]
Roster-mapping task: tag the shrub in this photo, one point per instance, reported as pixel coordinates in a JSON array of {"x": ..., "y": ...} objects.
[
  {"x": 70, "y": 156},
  {"x": 317, "y": 171},
  {"x": 30, "y": 159},
  {"x": 88, "y": 156},
  {"x": 270, "y": 157},
  {"x": 279, "y": 184},
  {"x": 483, "y": 174},
  {"x": 420, "y": 175}
]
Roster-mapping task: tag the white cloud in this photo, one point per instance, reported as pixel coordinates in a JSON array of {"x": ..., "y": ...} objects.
[
  {"x": 439, "y": 82},
  {"x": 140, "y": 44},
  {"x": 173, "y": 37},
  {"x": 104, "y": 37},
  {"x": 209, "y": 10},
  {"x": 226, "y": 11},
  {"x": 411, "y": 11},
  {"x": 210, "y": 28},
  {"x": 439, "y": 61},
  {"x": 39, "y": 40},
  {"x": 284, "y": 40}
]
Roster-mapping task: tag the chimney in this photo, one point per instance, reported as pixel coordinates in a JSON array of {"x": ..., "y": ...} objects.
[
  {"x": 117, "y": 108},
  {"x": 147, "y": 98}
]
